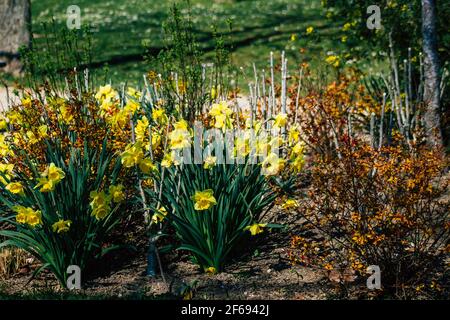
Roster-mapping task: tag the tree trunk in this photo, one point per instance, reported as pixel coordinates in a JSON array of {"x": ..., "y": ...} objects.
[
  {"x": 432, "y": 116},
  {"x": 15, "y": 32}
]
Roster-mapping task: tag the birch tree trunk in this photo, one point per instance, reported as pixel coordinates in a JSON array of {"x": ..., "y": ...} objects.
[
  {"x": 15, "y": 29},
  {"x": 432, "y": 118}
]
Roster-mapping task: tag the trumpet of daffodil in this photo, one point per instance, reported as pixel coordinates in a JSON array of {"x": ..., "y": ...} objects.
[
  {"x": 28, "y": 216},
  {"x": 42, "y": 130},
  {"x": 209, "y": 162},
  {"x": 289, "y": 204},
  {"x": 108, "y": 108},
  {"x": 99, "y": 204},
  {"x": 181, "y": 125},
  {"x": 179, "y": 139},
  {"x": 142, "y": 128},
  {"x": 256, "y": 228},
  {"x": 119, "y": 120},
  {"x": 294, "y": 133},
  {"x": 26, "y": 102},
  {"x": 53, "y": 173},
  {"x": 146, "y": 165},
  {"x": 105, "y": 93},
  {"x": 297, "y": 163},
  {"x": 45, "y": 185},
  {"x": 6, "y": 170},
  {"x": 280, "y": 120},
  {"x": 160, "y": 215},
  {"x": 272, "y": 164},
  {"x": 61, "y": 226},
  {"x": 3, "y": 123},
  {"x": 159, "y": 116},
  {"x": 168, "y": 160},
  {"x": 298, "y": 148},
  {"x": 242, "y": 146},
  {"x": 132, "y": 92},
  {"x": 211, "y": 270},
  {"x": 66, "y": 114},
  {"x": 131, "y": 107},
  {"x": 203, "y": 200},
  {"x": 116, "y": 193},
  {"x": 221, "y": 114},
  {"x": 31, "y": 137},
  {"x": 132, "y": 155},
  {"x": 4, "y": 146},
  {"x": 15, "y": 188}
]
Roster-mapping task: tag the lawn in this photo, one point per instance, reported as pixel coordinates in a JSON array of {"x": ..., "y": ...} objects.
[{"x": 121, "y": 27}]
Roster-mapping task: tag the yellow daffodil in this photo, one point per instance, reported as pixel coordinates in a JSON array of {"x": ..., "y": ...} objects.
[
  {"x": 346, "y": 26},
  {"x": 99, "y": 204},
  {"x": 203, "y": 200},
  {"x": 66, "y": 114},
  {"x": 131, "y": 107},
  {"x": 6, "y": 170},
  {"x": 98, "y": 198},
  {"x": 146, "y": 165},
  {"x": 132, "y": 155},
  {"x": 116, "y": 193},
  {"x": 21, "y": 214},
  {"x": 61, "y": 226},
  {"x": 31, "y": 137},
  {"x": 132, "y": 92},
  {"x": 294, "y": 37},
  {"x": 26, "y": 101},
  {"x": 45, "y": 185},
  {"x": 142, "y": 129},
  {"x": 179, "y": 139},
  {"x": 272, "y": 164},
  {"x": 289, "y": 204},
  {"x": 159, "y": 116},
  {"x": 181, "y": 125},
  {"x": 105, "y": 93},
  {"x": 221, "y": 114},
  {"x": 28, "y": 215},
  {"x": 309, "y": 30},
  {"x": 160, "y": 215},
  {"x": 54, "y": 173},
  {"x": 100, "y": 212},
  {"x": 211, "y": 270},
  {"x": 15, "y": 188},
  {"x": 241, "y": 146},
  {"x": 294, "y": 133},
  {"x": 42, "y": 130},
  {"x": 3, "y": 123},
  {"x": 297, "y": 163},
  {"x": 256, "y": 228},
  {"x": 280, "y": 120},
  {"x": 209, "y": 162}
]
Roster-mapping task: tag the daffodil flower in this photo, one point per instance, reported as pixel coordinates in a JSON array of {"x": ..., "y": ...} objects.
[
  {"x": 61, "y": 226},
  {"x": 256, "y": 228},
  {"x": 203, "y": 200}
]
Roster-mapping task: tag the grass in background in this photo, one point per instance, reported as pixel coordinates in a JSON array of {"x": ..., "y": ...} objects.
[{"x": 122, "y": 27}]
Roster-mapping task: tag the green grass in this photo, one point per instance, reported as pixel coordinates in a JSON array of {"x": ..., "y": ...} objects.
[{"x": 259, "y": 26}]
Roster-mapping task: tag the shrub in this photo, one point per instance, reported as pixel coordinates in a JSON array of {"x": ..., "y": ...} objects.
[
  {"x": 212, "y": 209},
  {"x": 378, "y": 207},
  {"x": 63, "y": 214}
]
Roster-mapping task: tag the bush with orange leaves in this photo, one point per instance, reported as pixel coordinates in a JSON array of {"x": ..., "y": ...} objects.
[{"x": 382, "y": 207}]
